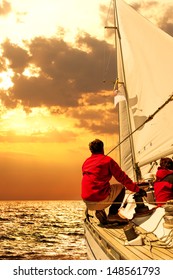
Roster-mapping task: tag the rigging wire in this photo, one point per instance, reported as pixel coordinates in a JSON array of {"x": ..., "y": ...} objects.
[{"x": 147, "y": 120}]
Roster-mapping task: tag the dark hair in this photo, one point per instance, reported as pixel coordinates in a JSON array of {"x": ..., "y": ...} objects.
[
  {"x": 166, "y": 163},
  {"x": 96, "y": 146}
]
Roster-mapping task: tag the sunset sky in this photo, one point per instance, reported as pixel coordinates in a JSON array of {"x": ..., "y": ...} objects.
[{"x": 54, "y": 57}]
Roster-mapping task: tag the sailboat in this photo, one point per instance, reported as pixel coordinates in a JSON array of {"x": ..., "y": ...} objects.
[{"x": 144, "y": 94}]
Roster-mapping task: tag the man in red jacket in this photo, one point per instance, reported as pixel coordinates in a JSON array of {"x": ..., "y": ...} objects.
[
  {"x": 163, "y": 186},
  {"x": 97, "y": 192}
]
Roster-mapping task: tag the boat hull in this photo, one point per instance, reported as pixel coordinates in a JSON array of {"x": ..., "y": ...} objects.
[{"x": 97, "y": 246}]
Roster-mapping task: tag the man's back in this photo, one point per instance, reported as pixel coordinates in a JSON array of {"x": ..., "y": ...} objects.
[{"x": 96, "y": 176}]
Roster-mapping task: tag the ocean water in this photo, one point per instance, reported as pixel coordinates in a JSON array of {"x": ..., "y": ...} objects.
[{"x": 42, "y": 230}]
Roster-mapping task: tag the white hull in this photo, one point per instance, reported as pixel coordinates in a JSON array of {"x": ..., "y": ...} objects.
[{"x": 98, "y": 247}]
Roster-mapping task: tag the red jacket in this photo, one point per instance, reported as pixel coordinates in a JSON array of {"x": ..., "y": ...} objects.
[
  {"x": 163, "y": 186},
  {"x": 97, "y": 170}
]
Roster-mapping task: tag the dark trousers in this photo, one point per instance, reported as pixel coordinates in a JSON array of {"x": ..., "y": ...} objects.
[{"x": 113, "y": 209}]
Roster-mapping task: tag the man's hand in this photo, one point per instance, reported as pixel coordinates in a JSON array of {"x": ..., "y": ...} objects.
[{"x": 141, "y": 193}]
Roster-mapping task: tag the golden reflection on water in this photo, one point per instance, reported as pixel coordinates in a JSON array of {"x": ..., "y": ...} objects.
[{"x": 42, "y": 230}]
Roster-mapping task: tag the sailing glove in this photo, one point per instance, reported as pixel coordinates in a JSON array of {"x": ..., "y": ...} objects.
[{"x": 141, "y": 193}]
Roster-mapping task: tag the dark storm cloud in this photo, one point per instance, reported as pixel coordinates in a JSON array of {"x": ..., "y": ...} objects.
[
  {"x": 2, "y": 64},
  {"x": 18, "y": 57},
  {"x": 102, "y": 120},
  {"x": 166, "y": 21},
  {"x": 66, "y": 72},
  {"x": 107, "y": 125},
  {"x": 8, "y": 101},
  {"x": 5, "y": 8},
  {"x": 144, "y": 5},
  {"x": 100, "y": 99},
  {"x": 70, "y": 76}
]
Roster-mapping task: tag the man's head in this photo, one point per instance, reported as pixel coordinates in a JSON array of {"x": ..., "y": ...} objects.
[
  {"x": 166, "y": 163},
  {"x": 96, "y": 147}
]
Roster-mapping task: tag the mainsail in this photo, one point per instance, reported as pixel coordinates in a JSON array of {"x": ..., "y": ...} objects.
[{"x": 145, "y": 76}]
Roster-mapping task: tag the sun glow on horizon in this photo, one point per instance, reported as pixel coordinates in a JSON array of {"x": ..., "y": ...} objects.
[{"x": 38, "y": 122}]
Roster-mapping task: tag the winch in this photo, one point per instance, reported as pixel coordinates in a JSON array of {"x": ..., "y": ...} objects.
[{"x": 132, "y": 237}]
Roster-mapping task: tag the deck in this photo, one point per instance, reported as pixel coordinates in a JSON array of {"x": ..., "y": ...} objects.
[{"x": 110, "y": 239}]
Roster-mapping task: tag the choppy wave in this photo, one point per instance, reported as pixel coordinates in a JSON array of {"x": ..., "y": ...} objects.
[{"x": 42, "y": 230}]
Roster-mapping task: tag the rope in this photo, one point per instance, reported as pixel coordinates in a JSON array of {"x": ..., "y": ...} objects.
[{"x": 163, "y": 242}]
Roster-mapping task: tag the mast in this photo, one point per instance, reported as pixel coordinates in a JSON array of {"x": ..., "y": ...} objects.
[{"x": 123, "y": 82}]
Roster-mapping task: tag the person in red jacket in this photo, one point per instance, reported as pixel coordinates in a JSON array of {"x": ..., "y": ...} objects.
[
  {"x": 97, "y": 192},
  {"x": 163, "y": 186}
]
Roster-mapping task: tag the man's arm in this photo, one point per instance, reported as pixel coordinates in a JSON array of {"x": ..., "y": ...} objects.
[{"x": 122, "y": 177}]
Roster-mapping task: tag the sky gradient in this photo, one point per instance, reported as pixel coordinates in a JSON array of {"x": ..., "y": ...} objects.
[{"x": 56, "y": 81}]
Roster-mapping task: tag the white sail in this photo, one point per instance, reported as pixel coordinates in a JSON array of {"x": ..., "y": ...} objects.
[{"x": 145, "y": 67}]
